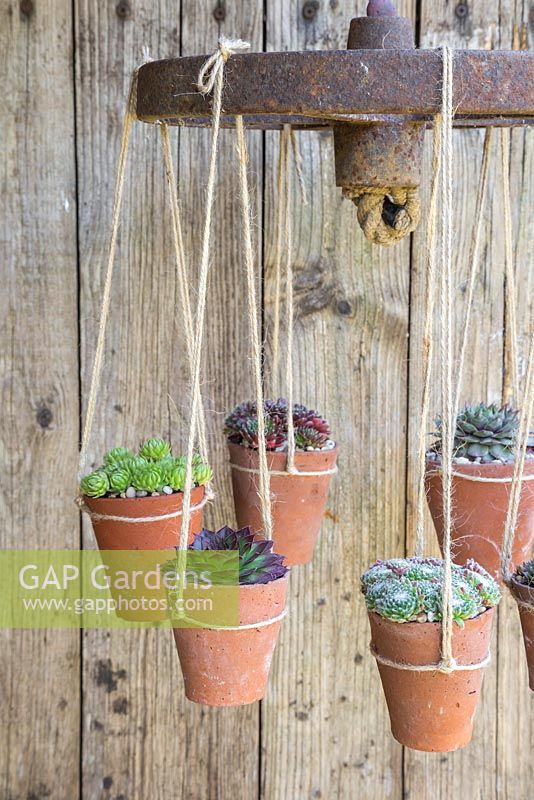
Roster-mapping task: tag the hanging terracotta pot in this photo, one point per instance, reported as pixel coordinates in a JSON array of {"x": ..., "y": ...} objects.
[
  {"x": 525, "y": 595},
  {"x": 479, "y": 513},
  {"x": 141, "y": 604},
  {"x": 158, "y": 534},
  {"x": 231, "y": 667},
  {"x": 298, "y": 502},
  {"x": 430, "y": 710}
]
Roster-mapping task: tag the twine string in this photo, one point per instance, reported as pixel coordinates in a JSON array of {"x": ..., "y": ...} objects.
[
  {"x": 255, "y": 342},
  {"x": 511, "y": 380},
  {"x": 245, "y": 627},
  {"x": 525, "y": 424},
  {"x": 281, "y": 212},
  {"x": 279, "y": 472},
  {"x": 186, "y": 315},
  {"x": 211, "y": 77},
  {"x": 96, "y": 375},
  {"x": 428, "y": 338},
  {"x": 291, "y": 468},
  {"x": 440, "y": 667},
  {"x": 139, "y": 520},
  {"x": 447, "y": 662}
]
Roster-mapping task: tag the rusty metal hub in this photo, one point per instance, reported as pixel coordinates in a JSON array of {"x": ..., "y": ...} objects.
[{"x": 378, "y": 96}]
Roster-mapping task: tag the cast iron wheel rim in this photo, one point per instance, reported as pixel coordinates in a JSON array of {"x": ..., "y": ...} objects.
[{"x": 315, "y": 89}]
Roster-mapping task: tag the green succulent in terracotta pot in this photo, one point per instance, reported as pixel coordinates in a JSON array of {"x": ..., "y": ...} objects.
[
  {"x": 485, "y": 445},
  {"x": 404, "y": 599},
  {"x": 522, "y": 588}
]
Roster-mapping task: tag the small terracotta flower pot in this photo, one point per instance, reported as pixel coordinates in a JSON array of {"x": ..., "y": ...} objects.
[
  {"x": 298, "y": 504},
  {"x": 479, "y": 513},
  {"x": 430, "y": 710},
  {"x": 231, "y": 667},
  {"x": 161, "y": 534},
  {"x": 525, "y": 594}
]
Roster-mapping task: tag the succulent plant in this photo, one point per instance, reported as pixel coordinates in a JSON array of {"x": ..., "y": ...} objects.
[
  {"x": 525, "y": 573},
  {"x": 96, "y": 484},
  {"x": 257, "y": 562},
  {"x": 155, "y": 449},
  {"x": 119, "y": 479},
  {"x": 147, "y": 478},
  {"x": 117, "y": 457},
  {"x": 311, "y": 430},
  {"x": 483, "y": 431},
  {"x": 410, "y": 589},
  {"x": 149, "y": 471}
]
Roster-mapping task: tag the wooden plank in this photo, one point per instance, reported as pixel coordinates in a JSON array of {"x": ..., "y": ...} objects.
[
  {"x": 476, "y": 766},
  {"x": 325, "y": 728},
  {"x": 39, "y": 672},
  {"x": 141, "y": 737}
]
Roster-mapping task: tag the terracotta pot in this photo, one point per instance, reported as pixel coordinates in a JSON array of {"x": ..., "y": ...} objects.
[
  {"x": 525, "y": 594},
  {"x": 158, "y": 535},
  {"x": 298, "y": 505},
  {"x": 231, "y": 668},
  {"x": 430, "y": 710},
  {"x": 479, "y": 513}
]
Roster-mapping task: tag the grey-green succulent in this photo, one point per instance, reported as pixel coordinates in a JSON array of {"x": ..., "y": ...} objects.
[
  {"x": 410, "y": 590},
  {"x": 525, "y": 573},
  {"x": 487, "y": 432}
]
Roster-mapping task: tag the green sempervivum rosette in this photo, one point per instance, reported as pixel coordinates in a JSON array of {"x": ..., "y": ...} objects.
[
  {"x": 119, "y": 479},
  {"x": 202, "y": 474},
  {"x": 175, "y": 478},
  {"x": 96, "y": 484},
  {"x": 400, "y": 602},
  {"x": 466, "y": 602},
  {"x": 147, "y": 478},
  {"x": 117, "y": 457},
  {"x": 155, "y": 449}
]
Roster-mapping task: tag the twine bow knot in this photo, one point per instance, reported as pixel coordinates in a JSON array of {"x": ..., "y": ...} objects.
[{"x": 215, "y": 63}]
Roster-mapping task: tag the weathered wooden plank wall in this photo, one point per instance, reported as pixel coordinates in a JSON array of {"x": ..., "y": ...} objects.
[{"x": 103, "y": 715}]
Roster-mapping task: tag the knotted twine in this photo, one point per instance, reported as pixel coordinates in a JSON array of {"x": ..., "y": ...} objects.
[{"x": 370, "y": 205}]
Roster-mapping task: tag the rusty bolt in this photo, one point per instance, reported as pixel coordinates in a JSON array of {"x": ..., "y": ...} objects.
[
  {"x": 219, "y": 12},
  {"x": 461, "y": 10},
  {"x": 309, "y": 10},
  {"x": 26, "y": 8},
  {"x": 123, "y": 9}
]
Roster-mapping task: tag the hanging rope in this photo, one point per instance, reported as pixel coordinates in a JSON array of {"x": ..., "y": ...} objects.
[
  {"x": 281, "y": 212},
  {"x": 447, "y": 663},
  {"x": 256, "y": 353},
  {"x": 290, "y": 466},
  {"x": 511, "y": 382},
  {"x": 211, "y": 77},
  {"x": 129, "y": 117},
  {"x": 525, "y": 426},
  {"x": 183, "y": 292},
  {"x": 428, "y": 338},
  {"x": 474, "y": 259}
]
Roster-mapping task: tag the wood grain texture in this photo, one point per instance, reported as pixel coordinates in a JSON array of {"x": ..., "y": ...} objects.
[
  {"x": 324, "y": 722},
  {"x": 39, "y": 670}
]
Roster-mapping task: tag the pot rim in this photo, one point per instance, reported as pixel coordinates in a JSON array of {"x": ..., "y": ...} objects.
[
  {"x": 473, "y": 468},
  {"x": 435, "y": 624},
  {"x": 516, "y": 587},
  {"x": 299, "y": 452}
]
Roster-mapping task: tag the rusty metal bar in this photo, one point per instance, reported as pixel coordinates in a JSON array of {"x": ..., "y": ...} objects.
[{"x": 333, "y": 85}]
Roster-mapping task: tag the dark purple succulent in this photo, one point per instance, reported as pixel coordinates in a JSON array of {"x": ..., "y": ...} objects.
[
  {"x": 311, "y": 430},
  {"x": 257, "y": 562}
]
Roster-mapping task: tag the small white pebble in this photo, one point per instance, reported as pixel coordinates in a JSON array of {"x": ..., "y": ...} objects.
[
  {"x": 461, "y": 460},
  {"x": 130, "y": 491},
  {"x": 123, "y": 495},
  {"x": 141, "y": 493},
  {"x": 167, "y": 490},
  {"x": 155, "y": 494}
]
